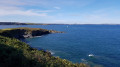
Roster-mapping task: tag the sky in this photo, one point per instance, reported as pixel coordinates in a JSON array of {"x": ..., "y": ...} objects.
[{"x": 61, "y": 11}]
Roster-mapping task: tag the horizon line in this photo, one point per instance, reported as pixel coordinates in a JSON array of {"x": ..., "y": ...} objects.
[{"x": 67, "y": 23}]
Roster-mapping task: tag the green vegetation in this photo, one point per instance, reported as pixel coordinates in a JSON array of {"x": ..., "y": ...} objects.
[
  {"x": 23, "y": 32},
  {"x": 23, "y": 28},
  {"x": 15, "y": 53}
]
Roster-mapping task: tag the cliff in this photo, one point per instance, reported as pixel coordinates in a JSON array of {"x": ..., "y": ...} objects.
[{"x": 24, "y": 32}]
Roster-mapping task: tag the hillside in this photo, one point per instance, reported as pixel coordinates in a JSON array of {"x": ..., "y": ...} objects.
[{"x": 15, "y": 53}]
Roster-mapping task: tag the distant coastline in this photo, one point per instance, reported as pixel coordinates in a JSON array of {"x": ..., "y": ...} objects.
[
  {"x": 21, "y": 23},
  {"x": 18, "y": 23}
]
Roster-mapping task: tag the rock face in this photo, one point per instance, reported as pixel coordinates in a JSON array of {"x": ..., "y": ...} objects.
[{"x": 24, "y": 32}]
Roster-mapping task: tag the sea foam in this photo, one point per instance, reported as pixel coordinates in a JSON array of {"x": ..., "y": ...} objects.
[
  {"x": 52, "y": 52},
  {"x": 90, "y": 55}
]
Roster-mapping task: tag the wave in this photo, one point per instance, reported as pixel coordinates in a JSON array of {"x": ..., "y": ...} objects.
[
  {"x": 83, "y": 60},
  {"x": 52, "y": 52},
  {"x": 90, "y": 55}
]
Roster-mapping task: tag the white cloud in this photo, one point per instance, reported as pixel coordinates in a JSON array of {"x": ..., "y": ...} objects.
[
  {"x": 12, "y": 7},
  {"x": 57, "y": 8},
  {"x": 11, "y": 2},
  {"x": 59, "y": 21},
  {"x": 20, "y": 12},
  {"x": 43, "y": 11}
]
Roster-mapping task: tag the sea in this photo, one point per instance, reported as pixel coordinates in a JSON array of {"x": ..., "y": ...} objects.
[{"x": 96, "y": 45}]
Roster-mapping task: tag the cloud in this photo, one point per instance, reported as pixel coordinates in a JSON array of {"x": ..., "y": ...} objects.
[
  {"x": 14, "y": 7},
  {"x": 20, "y": 12},
  {"x": 42, "y": 11},
  {"x": 57, "y": 8},
  {"x": 11, "y": 3},
  {"x": 60, "y": 21}
]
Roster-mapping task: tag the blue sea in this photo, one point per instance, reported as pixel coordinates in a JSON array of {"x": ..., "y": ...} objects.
[{"x": 97, "y": 45}]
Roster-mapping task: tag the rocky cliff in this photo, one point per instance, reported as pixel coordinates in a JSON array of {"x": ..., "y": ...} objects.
[{"x": 24, "y": 32}]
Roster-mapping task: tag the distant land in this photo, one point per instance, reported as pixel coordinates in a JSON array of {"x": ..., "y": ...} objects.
[
  {"x": 21, "y": 23},
  {"x": 18, "y": 23}
]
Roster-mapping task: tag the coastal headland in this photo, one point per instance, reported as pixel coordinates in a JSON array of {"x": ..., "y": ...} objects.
[
  {"x": 24, "y": 32},
  {"x": 15, "y": 53}
]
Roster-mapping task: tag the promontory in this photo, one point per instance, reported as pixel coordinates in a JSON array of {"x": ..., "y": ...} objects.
[{"x": 15, "y": 53}]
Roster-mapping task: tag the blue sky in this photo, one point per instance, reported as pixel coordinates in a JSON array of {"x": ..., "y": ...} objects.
[{"x": 61, "y": 11}]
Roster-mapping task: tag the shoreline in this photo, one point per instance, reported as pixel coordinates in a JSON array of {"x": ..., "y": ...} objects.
[{"x": 32, "y": 56}]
